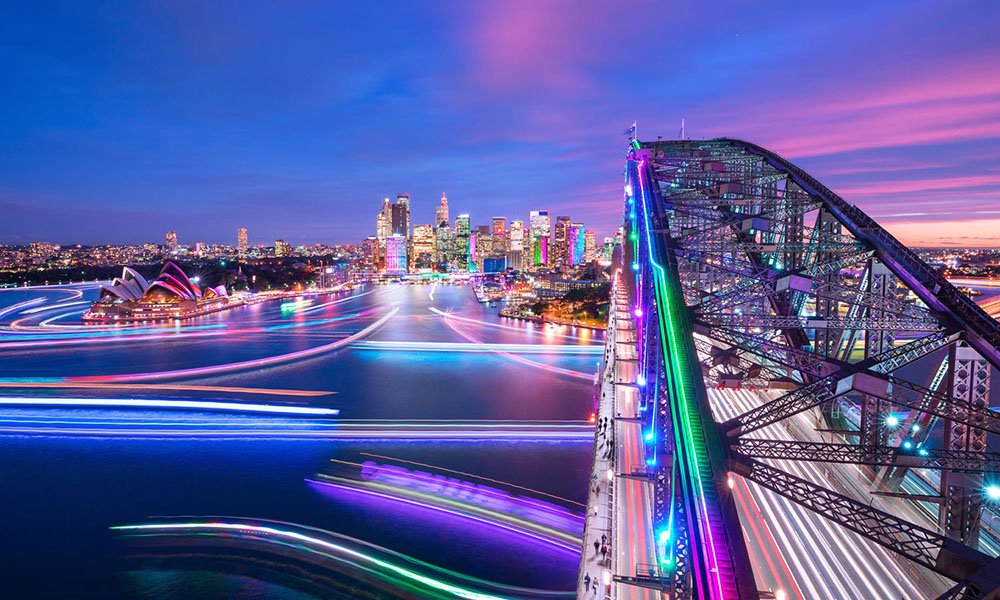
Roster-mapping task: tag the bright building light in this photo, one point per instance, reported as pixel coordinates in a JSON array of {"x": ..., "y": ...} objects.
[
  {"x": 607, "y": 578},
  {"x": 779, "y": 595},
  {"x": 649, "y": 436},
  {"x": 638, "y": 311},
  {"x": 915, "y": 428},
  {"x": 611, "y": 474},
  {"x": 907, "y": 444},
  {"x": 640, "y": 380},
  {"x": 892, "y": 421},
  {"x": 993, "y": 492}
]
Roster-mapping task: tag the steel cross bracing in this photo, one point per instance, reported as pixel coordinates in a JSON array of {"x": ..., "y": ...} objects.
[{"x": 748, "y": 272}]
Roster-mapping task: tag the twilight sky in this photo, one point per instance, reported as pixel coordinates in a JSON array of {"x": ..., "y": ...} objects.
[{"x": 122, "y": 120}]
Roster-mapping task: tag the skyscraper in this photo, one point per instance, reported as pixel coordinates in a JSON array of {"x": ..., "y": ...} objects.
[
  {"x": 541, "y": 251},
  {"x": 404, "y": 200},
  {"x": 462, "y": 231},
  {"x": 400, "y": 216},
  {"x": 241, "y": 240},
  {"x": 441, "y": 212},
  {"x": 395, "y": 255},
  {"x": 589, "y": 246},
  {"x": 541, "y": 229},
  {"x": 445, "y": 245},
  {"x": 576, "y": 243},
  {"x": 383, "y": 228},
  {"x": 423, "y": 246},
  {"x": 282, "y": 248},
  {"x": 172, "y": 241},
  {"x": 517, "y": 235},
  {"x": 501, "y": 239},
  {"x": 560, "y": 243}
]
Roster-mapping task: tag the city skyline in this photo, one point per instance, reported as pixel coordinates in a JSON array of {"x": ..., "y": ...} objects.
[{"x": 509, "y": 108}]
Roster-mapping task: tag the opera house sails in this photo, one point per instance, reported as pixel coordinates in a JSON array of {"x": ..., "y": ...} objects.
[{"x": 172, "y": 295}]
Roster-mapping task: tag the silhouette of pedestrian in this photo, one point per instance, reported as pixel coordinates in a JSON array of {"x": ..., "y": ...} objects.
[
  {"x": 586, "y": 581},
  {"x": 604, "y": 539},
  {"x": 604, "y": 552},
  {"x": 597, "y": 546}
]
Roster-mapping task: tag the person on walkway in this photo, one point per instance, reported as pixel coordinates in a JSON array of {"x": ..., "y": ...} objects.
[
  {"x": 604, "y": 552},
  {"x": 586, "y": 581},
  {"x": 604, "y": 539},
  {"x": 597, "y": 547}
]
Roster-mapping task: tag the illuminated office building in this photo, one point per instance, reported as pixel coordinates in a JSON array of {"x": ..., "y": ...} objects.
[
  {"x": 441, "y": 212},
  {"x": 517, "y": 236},
  {"x": 589, "y": 246},
  {"x": 424, "y": 246},
  {"x": 541, "y": 251},
  {"x": 404, "y": 201},
  {"x": 541, "y": 231},
  {"x": 395, "y": 255},
  {"x": 575, "y": 244},
  {"x": 560, "y": 243},
  {"x": 462, "y": 233},
  {"x": 172, "y": 241},
  {"x": 241, "y": 240},
  {"x": 282, "y": 248}
]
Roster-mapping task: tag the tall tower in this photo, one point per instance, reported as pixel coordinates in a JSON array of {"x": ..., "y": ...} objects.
[
  {"x": 441, "y": 212},
  {"x": 404, "y": 199},
  {"x": 383, "y": 227},
  {"x": 517, "y": 235},
  {"x": 172, "y": 241},
  {"x": 560, "y": 243},
  {"x": 241, "y": 240},
  {"x": 462, "y": 234},
  {"x": 541, "y": 231},
  {"x": 576, "y": 244}
]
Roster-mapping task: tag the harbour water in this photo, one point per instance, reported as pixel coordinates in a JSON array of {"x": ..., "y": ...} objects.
[{"x": 500, "y": 404}]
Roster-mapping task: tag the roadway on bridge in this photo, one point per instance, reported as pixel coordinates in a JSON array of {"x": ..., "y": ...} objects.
[{"x": 804, "y": 554}]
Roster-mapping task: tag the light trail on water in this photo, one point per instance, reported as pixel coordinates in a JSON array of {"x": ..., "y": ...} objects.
[{"x": 431, "y": 579}]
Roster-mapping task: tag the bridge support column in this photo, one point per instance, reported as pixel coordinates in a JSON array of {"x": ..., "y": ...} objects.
[
  {"x": 873, "y": 431},
  {"x": 962, "y": 492}
]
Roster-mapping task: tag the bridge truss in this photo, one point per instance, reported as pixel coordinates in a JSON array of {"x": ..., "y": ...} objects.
[{"x": 745, "y": 272}]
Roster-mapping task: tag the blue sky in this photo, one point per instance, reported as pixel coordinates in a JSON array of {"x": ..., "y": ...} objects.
[{"x": 121, "y": 121}]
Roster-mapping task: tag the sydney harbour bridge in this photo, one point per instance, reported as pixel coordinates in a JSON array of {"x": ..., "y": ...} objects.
[{"x": 777, "y": 353}]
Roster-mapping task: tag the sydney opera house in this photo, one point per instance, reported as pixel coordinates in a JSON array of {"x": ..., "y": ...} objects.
[{"x": 172, "y": 295}]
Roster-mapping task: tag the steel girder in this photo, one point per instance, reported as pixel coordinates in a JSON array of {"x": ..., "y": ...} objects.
[
  {"x": 954, "y": 460},
  {"x": 790, "y": 303},
  {"x": 922, "y": 546}
]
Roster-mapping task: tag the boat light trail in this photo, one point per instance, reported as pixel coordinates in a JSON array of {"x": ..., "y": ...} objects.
[
  {"x": 168, "y": 404},
  {"x": 479, "y": 347},
  {"x": 20, "y": 306},
  {"x": 500, "y": 326},
  {"x": 247, "y": 364},
  {"x": 491, "y": 518},
  {"x": 391, "y": 566},
  {"x": 14, "y": 383},
  {"x": 525, "y": 361}
]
